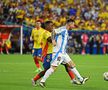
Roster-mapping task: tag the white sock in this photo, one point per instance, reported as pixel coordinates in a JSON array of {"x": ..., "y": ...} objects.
[
  {"x": 47, "y": 74},
  {"x": 75, "y": 71}
]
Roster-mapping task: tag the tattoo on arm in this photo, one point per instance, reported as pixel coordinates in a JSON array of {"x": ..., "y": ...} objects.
[{"x": 53, "y": 35}]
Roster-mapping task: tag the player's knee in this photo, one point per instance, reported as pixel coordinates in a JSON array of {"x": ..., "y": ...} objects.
[
  {"x": 71, "y": 64},
  {"x": 54, "y": 67}
]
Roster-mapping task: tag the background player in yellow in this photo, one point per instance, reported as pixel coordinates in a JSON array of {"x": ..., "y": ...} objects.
[
  {"x": 37, "y": 37},
  {"x": 47, "y": 55}
]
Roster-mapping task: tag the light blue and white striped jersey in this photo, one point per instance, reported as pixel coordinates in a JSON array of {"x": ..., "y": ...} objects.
[{"x": 61, "y": 39}]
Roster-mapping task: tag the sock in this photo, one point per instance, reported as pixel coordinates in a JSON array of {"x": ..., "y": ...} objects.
[
  {"x": 47, "y": 74},
  {"x": 36, "y": 63},
  {"x": 38, "y": 76},
  {"x": 71, "y": 74},
  {"x": 77, "y": 74}
]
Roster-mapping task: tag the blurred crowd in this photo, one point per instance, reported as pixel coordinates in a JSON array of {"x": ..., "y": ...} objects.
[
  {"x": 88, "y": 43},
  {"x": 88, "y": 14}
]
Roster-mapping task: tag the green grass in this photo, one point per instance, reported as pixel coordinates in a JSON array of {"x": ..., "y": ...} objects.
[{"x": 16, "y": 72}]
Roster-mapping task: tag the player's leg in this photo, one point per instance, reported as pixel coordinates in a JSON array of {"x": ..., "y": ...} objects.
[
  {"x": 7, "y": 49},
  {"x": 1, "y": 48},
  {"x": 57, "y": 60},
  {"x": 71, "y": 75},
  {"x": 74, "y": 70},
  {"x": 107, "y": 49},
  {"x": 37, "y": 53},
  {"x": 39, "y": 57},
  {"x": 37, "y": 77},
  {"x": 47, "y": 74},
  {"x": 46, "y": 65}
]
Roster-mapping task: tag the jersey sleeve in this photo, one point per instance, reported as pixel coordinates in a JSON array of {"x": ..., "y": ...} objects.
[
  {"x": 57, "y": 31},
  {"x": 47, "y": 34}
]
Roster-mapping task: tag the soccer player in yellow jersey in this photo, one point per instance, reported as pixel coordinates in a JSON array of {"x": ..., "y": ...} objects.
[
  {"x": 37, "y": 37},
  {"x": 47, "y": 48},
  {"x": 47, "y": 55}
]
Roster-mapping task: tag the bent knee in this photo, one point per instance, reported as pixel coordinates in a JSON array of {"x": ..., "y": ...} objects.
[
  {"x": 71, "y": 64},
  {"x": 54, "y": 67}
]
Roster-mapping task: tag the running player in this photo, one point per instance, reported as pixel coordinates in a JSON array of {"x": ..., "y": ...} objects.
[
  {"x": 37, "y": 36},
  {"x": 60, "y": 55},
  {"x": 47, "y": 55}
]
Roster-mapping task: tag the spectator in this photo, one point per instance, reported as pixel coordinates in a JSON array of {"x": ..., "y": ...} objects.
[
  {"x": 94, "y": 50},
  {"x": 1, "y": 46},
  {"x": 105, "y": 42}
]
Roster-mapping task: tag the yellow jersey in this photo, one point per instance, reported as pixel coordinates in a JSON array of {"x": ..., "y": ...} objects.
[
  {"x": 46, "y": 35},
  {"x": 37, "y": 36}
]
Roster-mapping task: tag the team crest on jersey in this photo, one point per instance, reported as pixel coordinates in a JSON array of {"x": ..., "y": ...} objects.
[{"x": 48, "y": 56}]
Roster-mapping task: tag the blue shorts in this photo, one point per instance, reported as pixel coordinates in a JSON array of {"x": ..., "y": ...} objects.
[
  {"x": 37, "y": 52},
  {"x": 47, "y": 60}
]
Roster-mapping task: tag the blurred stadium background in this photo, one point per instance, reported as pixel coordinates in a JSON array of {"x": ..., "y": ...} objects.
[{"x": 89, "y": 38}]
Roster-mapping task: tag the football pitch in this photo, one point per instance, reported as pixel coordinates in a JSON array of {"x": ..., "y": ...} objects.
[{"x": 16, "y": 72}]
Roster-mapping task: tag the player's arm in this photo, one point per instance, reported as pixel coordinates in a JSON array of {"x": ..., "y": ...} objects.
[
  {"x": 49, "y": 39},
  {"x": 53, "y": 34}
]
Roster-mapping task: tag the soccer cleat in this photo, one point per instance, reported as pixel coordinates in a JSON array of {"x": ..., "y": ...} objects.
[
  {"x": 84, "y": 80},
  {"x": 42, "y": 84},
  {"x": 75, "y": 82},
  {"x": 33, "y": 82}
]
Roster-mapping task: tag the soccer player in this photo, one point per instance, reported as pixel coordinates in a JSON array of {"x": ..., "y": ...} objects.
[
  {"x": 47, "y": 55},
  {"x": 105, "y": 42},
  {"x": 37, "y": 36},
  {"x": 59, "y": 53}
]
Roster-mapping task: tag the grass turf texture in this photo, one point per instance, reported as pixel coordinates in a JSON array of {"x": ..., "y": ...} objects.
[{"x": 16, "y": 72}]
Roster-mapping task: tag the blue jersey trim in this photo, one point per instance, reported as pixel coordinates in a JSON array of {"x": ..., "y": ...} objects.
[{"x": 60, "y": 50}]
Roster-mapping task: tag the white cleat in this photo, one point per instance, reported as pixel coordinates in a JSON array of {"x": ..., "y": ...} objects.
[
  {"x": 33, "y": 82},
  {"x": 75, "y": 82},
  {"x": 42, "y": 84},
  {"x": 84, "y": 80}
]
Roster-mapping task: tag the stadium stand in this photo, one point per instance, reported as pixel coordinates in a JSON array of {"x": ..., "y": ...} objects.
[{"x": 90, "y": 16}]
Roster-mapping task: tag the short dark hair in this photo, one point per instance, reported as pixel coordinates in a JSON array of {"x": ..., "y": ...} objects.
[
  {"x": 69, "y": 20},
  {"x": 47, "y": 23}
]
